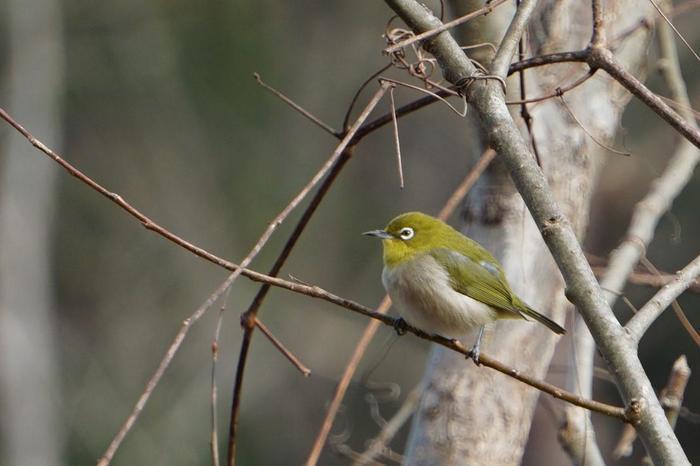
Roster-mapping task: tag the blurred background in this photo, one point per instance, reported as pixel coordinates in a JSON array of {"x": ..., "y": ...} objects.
[{"x": 156, "y": 101}]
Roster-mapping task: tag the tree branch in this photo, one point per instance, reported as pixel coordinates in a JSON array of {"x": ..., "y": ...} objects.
[
  {"x": 487, "y": 99},
  {"x": 504, "y": 55},
  {"x": 642, "y": 320}
]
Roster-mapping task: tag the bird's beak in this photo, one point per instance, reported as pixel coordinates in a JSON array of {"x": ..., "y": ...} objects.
[{"x": 378, "y": 234}]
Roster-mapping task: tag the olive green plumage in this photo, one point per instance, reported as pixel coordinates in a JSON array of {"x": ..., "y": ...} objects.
[{"x": 426, "y": 261}]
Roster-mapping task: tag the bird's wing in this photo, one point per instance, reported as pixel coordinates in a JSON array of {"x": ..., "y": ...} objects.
[{"x": 478, "y": 281}]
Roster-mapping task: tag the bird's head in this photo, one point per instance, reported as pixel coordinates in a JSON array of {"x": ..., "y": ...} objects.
[{"x": 411, "y": 234}]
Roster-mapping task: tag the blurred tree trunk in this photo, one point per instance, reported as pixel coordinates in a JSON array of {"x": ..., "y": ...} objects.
[
  {"x": 470, "y": 415},
  {"x": 29, "y": 382}
]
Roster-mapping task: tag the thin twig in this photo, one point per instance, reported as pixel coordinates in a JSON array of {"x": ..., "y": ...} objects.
[
  {"x": 214, "y": 442},
  {"x": 430, "y": 93},
  {"x": 305, "y": 371},
  {"x": 372, "y": 77},
  {"x": 524, "y": 112},
  {"x": 248, "y": 318},
  {"x": 454, "y": 23},
  {"x": 106, "y": 458},
  {"x": 397, "y": 142},
  {"x": 556, "y": 93},
  {"x": 640, "y": 322},
  {"x": 593, "y": 138},
  {"x": 676, "y": 31},
  {"x": 308, "y": 115}
]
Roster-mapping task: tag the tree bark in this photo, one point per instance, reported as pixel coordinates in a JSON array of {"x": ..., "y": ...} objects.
[
  {"x": 470, "y": 415},
  {"x": 29, "y": 383}
]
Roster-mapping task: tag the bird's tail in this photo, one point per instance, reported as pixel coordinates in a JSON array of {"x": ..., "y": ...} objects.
[{"x": 544, "y": 320}]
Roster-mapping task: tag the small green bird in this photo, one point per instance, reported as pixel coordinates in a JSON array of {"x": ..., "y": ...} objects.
[{"x": 445, "y": 283}]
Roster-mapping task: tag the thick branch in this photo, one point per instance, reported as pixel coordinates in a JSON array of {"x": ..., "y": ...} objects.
[{"x": 488, "y": 100}]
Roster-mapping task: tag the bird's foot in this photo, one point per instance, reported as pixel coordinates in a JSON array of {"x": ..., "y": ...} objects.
[
  {"x": 476, "y": 349},
  {"x": 474, "y": 353},
  {"x": 400, "y": 326}
]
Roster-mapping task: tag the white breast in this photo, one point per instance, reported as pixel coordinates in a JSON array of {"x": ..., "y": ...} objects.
[{"x": 423, "y": 296}]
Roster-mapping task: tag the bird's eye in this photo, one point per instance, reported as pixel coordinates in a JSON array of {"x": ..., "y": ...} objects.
[{"x": 406, "y": 233}]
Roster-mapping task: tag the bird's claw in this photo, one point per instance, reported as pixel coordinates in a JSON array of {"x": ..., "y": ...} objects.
[
  {"x": 400, "y": 326},
  {"x": 475, "y": 352}
]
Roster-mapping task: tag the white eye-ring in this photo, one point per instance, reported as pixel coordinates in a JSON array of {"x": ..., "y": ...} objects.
[{"x": 406, "y": 233}]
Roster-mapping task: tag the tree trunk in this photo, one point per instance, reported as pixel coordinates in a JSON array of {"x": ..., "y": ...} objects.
[
  {"x": 29, "y": 383},
  {"x": 471, "y": 415}
]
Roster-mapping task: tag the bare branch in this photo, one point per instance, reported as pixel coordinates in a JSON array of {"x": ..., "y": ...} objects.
[
  {"x": 305, "y": 371},
  {"x": 327, "y": 128},
  {"x": 504, "y": 55},
  {"x": 604, "y": 59},
  {"x": 598, "y": 36},
  {"x": 642, "y": 320},
  {"x": 249, "y": 317},
  {"x": 106, "y": 458}
]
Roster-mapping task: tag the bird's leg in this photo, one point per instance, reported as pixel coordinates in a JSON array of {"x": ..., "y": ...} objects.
[
  {"x": 476, "y": 349},
  {"x": 400, "y": 326}
]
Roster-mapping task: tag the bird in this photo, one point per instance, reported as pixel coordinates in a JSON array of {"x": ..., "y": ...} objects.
[{"x": 445, "y": 283}]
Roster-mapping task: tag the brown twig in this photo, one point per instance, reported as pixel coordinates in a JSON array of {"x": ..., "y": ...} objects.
[
  {"x": 675, "y": 30},
  {"x": 559, "y": 91},
  {"x": 308, "y": 115},
  {"x": 454, "y": 23},
  {"x": 524, "y": 112},
  {"x": 397, "y": 141},
  {"x": 106, "y": 458},
  {"x": 248, "y": 318},
  {"x": 305, "y": 371},
  {"x": 579, "y": 56},
  {"x": 214, "y": 441},
  {"x": 353, "y": 101},
  {"x": 588, "y": 133},
  {"x": 604, "y": 59}
]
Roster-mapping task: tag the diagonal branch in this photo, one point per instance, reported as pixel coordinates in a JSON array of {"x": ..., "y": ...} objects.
[
  {"x": 642, "y": 320},
  {"x": 249, "y": 317},
  {"x": 487, "y": 99},
  {"x": 509, "y": 44}
]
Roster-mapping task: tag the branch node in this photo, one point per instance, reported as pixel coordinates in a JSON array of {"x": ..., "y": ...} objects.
[
  {"x": 247, "y": 321},
  {"x": 633, "y": 411}
]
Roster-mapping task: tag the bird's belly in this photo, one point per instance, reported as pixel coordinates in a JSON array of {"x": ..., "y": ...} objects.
[{"x": 425, "y": 299}]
